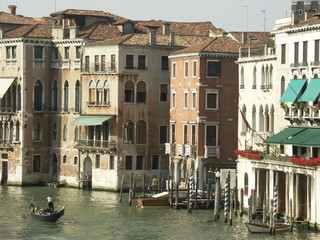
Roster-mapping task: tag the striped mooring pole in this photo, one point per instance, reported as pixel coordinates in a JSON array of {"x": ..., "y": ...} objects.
[
  {"x": 275, "y": 205},
  {"x": 191, "y": 188},
  {"x": 227, "y": 197}
]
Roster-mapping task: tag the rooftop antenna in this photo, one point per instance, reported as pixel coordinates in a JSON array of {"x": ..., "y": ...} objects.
[
  {"x": 264, "y": 19},
  {"x": 55, "y": 5},
  {"x": 247, "y": 7}
]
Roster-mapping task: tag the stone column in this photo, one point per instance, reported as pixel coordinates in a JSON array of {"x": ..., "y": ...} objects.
[
  {"x": 297, "y": 199},
  {"x": 287, "y": 201},
  {"x": 176, "y": 170},
  {"x": 308, "y": 197},
  {"x": 267, "y": 189},
  {"x": 258, "y": 192},
  {"x": 291, "y": 192}
]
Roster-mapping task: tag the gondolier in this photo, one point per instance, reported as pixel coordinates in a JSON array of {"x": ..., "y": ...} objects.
[{"x": 50, "y": 204}]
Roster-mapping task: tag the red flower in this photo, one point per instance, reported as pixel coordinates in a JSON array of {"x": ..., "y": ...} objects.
[
  {"x": 245, "y": 192},
  {"x": 240, "y": 152},
  {"x": 305, "y": 162},
  {"x": 253, "y": 155}
]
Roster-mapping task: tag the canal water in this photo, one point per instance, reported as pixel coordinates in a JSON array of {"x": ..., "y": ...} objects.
[{"x": 100, "y": 215}]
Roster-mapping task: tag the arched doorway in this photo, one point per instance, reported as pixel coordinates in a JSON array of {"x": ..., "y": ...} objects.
[
  {"x": 54, "y": 168},
  {"x": 87, "y": 172}
]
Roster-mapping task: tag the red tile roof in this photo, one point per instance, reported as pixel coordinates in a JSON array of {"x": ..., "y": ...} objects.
[
  {"x": 7, "y": 18},
  {"x": 100, "y": 31},
  {"x": 36, "y": 31}
]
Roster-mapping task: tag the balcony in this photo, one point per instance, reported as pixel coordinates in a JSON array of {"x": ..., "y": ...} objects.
[
  {"x": 211, "y": 151},
  {"x": 77, "y": 64},
  {"x": 299, "y": 65},
  {"x": 95, "y": 145},
  {"x": 66, "y": 64},
  {"x": 181, "y": 149},
  {"x": 38, "y": 63},
  {"x": 11, "y": 63},
  {"x": 101, "y": 68},
  {"x": 257, "y": 51},
  {"x": 99, "y": 104},
  {"x": 190, "y": 150},
  {"x": 6, "y": 144},
  {"x": 170, "y": 148}
]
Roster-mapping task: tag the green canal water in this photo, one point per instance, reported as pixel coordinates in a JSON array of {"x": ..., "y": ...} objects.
[{"x": 99, "y": 215}]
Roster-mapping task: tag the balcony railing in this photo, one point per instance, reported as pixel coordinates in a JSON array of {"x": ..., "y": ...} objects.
[
  {"x": 211, "y": 151},
  {"x": 95, "y": 144},
  {"x": 170, "y": 148},
  {"x": 38, "y": 63},
  {"x": 181, "y": 149},
  {"x": 99, "y": 104},
  {"x": 93, "y": 68},
  {"x": 190, "y": 150}
]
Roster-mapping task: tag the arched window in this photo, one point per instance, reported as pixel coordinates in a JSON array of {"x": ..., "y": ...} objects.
[
  {"x": 14, "y": 98},
  {"x": 19, "y": 98},
  {"x": 270, "y": 83},
  {"x": 36, "y": 132},
  {"x": 77, "y": 97},
  {"x": 11, "y": 131},
  {"x": 38, "y": 96},
  {"x": 92, "y": 92},
  {"x": 75, "y": 160},
  {"x": 254, "y": 118},
  {"x": 55, "y": 96},
  {"x": 141, "y": 132},
  {"x": 99, "y": 92},
  {"x": 1, "y": 131},
  {"x": 17, "y": 131},
  {"x": 254, "y": 82},
  {"x": 263, "y": 79},
  {"x": 304, "y": 76},
  {"x": 64, "y": 159},
  {"x": 65, "y": 133},
  {"x": 141, "y": 92},
  {"x": 261, "y": 119},
  {"x": 242, "y": 78},
  {"x": 54, "y": 132},
  {"x": 295, "y": 77},
  {"x": 272, "y": 119},
  {"x": 129, "y": 92},
  {"x": 244, "y": 125},
  {"x": 66, "y": 96},
  {"x": 129, "y": 132},
  {"x": 76, "y": 134},
  {"x": 283, "y": 85},
  {"x": 106, "y": 92},
  {"x": 266, "y": 119},
  {"x": 315, "y": 76}
]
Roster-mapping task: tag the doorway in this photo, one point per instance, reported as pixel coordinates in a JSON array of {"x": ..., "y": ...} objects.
[{"x": 4, "y": 174}]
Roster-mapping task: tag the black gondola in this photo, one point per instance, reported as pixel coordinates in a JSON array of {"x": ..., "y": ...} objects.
[{"x": 45, "y": 215}]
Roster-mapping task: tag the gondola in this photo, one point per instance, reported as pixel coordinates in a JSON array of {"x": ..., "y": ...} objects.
[
  {"x": 45, "y": 215},
  {"x": 265, "y": 228}
]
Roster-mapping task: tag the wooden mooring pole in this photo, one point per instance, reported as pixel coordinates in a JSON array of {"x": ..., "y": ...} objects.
[
  {"x": 217, "y": 197},
  {"x": 121, "y": 189},
  {"x": 241, "y": 202}
]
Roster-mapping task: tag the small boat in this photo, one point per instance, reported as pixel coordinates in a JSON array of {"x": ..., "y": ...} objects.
[
  {"x": 159, "y": 200},
  {"x": 265, "y": 228},
  {"x": 45, "y": 215}
]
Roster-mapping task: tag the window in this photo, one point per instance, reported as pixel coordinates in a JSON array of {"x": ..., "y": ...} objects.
[
  {"x": 141, "y": 92},
  {"x": 75, "y": 160},
  {"x": 17, "y": 138},
  {"x": 163, "y": 134},
  {"x": 155, "y": 162},
  {"x": 129, "y": 62},
  {"x": 254, "y": 83},
  {"x": 113, "y": 63},
  {"x": 77, "y": 97},
  {"x": 213, "y": 68},
  {"x": 141, "y": 62},
  {"x": 103, "y": 62},
  {"x": 212, "y": 100},
  {"x": 55, "y": 96},
  {"x": 106, "y": 94},
  {"x": 174, "y": 69},
  {"x": 65, "y": 133},
  {"x": 242, "y": 78},
  {"x": 140, "y": 163},
  {"x": 86, "y": 63},
  {"x": 193, "y": 134},
  {"x": 19, "y": 98},
  {"x": 11, "y": 52},
  {"x": 283, "y": 86},
  {"x": 38, "y": 53},
  {"x": 92, "y": 91},
  {"x": 96, "y": 63},
  {"x": 36, "y": 163},
  {"x": 283, "y": 53},
  {"x": 185, "y": 134},
  {"x": 78, "y": 52},
  {"x": 129, "y": 92},
  {"x": 54, "y": 132},
  {"x": 111, "y": 165},
  {"x": 163, "y": 92},
  {"x": 173, "y": 100},
  {"x": 129, "y": 163},
  {"x": 164, "y": 63},
  {"x": 316, "y": 51},
  {"x": 141, "y": 132},
  {"x": 305, "y": 52},
  {"x": 100, "y": 91},
  {"x": 36, "y": 132},
  {"x": 38, "y": 96},
  {"x": 173, "y": 133},
  {"x": 128, "y": 132},
  {"x": 186, "y": 69},
  {"x": 66, "y": 52},
  {"x": 211, "y": 135},
  {"x": 64, "y": 159},
  {"x": 194, "y": 100},
  {"x": 55, "y": 53},
  {"x": 296, "y": 52},
  {"x": 97, "y": 161},
  {"x": 194, "y": 69},
  {"x": 186, "y": 99},
  {"x": 66, "y": 97}
]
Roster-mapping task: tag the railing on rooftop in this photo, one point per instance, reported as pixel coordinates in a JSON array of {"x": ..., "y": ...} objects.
[{"x": 257, "y": 51}]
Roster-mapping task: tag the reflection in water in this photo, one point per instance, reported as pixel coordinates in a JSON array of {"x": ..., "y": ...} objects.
[{"x": 99, "y": 215}]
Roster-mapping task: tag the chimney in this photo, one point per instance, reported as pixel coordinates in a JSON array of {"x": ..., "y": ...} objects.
[
  {"x": 171, "y": 39},
  {"x": 166, "y": 29},
  {"x": 153, "y": 38},
  {"x": 244, "y": 37},
  {"x": 1, "y": 33},
  {"x": 12, "y": 9}
]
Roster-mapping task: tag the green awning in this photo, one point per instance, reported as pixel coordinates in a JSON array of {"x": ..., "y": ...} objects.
[
  {"x": 91, "y": 120},
  {"x": 312, "y": 91},
  {"x": 308, "y": 138},
  {"x": 293, "y": 90},
  {"x": 284, "y": 135}
]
